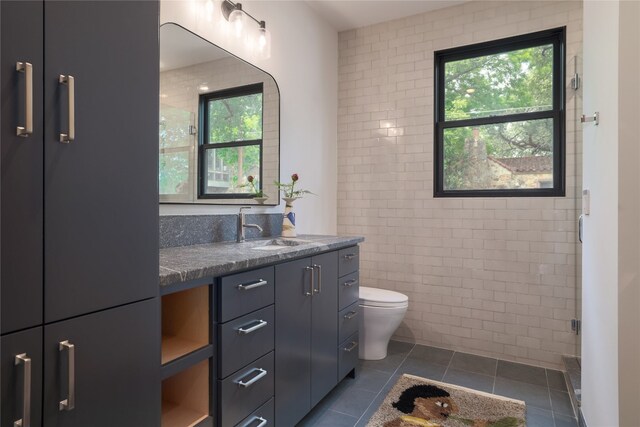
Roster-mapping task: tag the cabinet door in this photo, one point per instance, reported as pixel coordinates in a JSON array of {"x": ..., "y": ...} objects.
[
  {"x": 117, "y": 368},
  {"x": 293, "y": 341},
  {"x": 21, "y": 168},
  {"x": 21, "y": 385},
  {"x": 101, "y": 190},
  {"x": 324, "y": 326}
]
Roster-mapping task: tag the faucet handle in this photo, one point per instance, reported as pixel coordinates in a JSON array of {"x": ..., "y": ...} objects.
[{"x": 244, "y": 207}]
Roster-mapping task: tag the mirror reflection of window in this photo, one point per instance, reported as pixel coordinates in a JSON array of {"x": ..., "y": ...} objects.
[
  {"x": 230, "y": 141},
  {"x": 219, "y": 124}
]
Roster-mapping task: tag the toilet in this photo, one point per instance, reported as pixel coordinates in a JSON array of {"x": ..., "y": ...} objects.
[{"x": 382, "y": 312}]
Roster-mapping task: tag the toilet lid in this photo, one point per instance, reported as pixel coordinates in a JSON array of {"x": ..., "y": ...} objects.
[{"x": 382, "y": 297}]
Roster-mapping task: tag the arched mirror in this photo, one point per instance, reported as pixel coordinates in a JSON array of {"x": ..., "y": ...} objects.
[{"x": 219, "y": 124}]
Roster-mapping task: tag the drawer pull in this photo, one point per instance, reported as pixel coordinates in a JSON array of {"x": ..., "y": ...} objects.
[
  {"x": 249, "y": 286},
  {"x": 70, "y": 402},
  {"x": 243, "y": 330},
  {"x": 350, "y": 283},
  {"x": 25, "y": 421},
  {"x": 353, "y": 345},
  {"x": 349, "y": 257},
  {"x": 253, "y": 380},
  {"x": 263, "y": 422},
  {"x": 350, "y": 315}
]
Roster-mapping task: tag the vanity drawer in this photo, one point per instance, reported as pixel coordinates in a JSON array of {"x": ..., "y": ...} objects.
[
  {"x": 347, "y": 356},
  {"x": 245, "y": 292},
  {"x": 348, "y": 290},
  {"x": 245, "y": 339},
  {"x": 264, "y": 416},
  {"x": 348, "y": 260},
  {"x": 348, "y": 322},
  {"x": 244, "y": 391}
]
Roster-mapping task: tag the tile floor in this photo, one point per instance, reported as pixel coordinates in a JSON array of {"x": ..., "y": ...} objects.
[{"x": 353, "y": 401}]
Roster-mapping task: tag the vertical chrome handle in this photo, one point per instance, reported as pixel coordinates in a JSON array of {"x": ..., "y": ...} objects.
[
  {"x": 69, "y": 81},
  {"x": 27, "y": 69},
  {"x": 25, "y": 421},
  {"x": 70, "y": 402},
  {"x": 310, "y": 292},
  {"x": 580, "y": 223},
  {"x": 319, "y": 267},
  {"x": 263, "y": 422}
]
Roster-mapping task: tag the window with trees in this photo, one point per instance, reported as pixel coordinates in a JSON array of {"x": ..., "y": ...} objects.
[
  {"x": 499, "y": 118},
  {"x": 230, "y": 147}
]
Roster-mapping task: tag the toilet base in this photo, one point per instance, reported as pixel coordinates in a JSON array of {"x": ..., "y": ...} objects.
[{"x": 377, "y": 325}]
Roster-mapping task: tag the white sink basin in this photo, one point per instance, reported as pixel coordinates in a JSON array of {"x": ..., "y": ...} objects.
[{"x": 277, "y": 244}]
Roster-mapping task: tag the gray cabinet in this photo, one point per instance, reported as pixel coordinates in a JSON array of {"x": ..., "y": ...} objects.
[
  {"x": 97, "y": 199},
  {"x": 21, "y": 381},
  {"x": 306, "y": 335},
  {"x": 112, "y": 373},
  {"x": 101, "y": 190},
  {"x": 21, "y": 166}
]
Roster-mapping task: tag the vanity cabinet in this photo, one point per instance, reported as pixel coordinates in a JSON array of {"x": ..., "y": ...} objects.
[
  {"x": 306, "y": 334},
  {"x": 79, "y": 211}
]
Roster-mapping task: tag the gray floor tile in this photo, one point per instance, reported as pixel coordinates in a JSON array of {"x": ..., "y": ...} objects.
[
  {"x": 423, "y": 368},
  {"x": 329, "y": 419},
  {"x": 473, "y": 363},
  {"x": 353, "y": 401},
  {"x": 564, "y": 421},
  {"x": 369, "y": 379},
  {"x": 533, "y": 395},
  {"x": 537, "y": 417},
  {"x": 396, "y": 347},
  {"x": 561, "y": 403},
  {"x": 469, "y": 379},
  {"x": 522, "y": 373},
  {"x": 431, "y": 354},
  {"x": 556, "y": 380}
]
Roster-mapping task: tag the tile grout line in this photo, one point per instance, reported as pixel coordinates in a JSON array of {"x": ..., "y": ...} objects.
[
  {"x": 448, "y": 365},
  {"x": 384, "y": 385}
]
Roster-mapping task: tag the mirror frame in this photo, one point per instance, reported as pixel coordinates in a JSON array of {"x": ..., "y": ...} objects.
[{"x": 228, "y": 201}]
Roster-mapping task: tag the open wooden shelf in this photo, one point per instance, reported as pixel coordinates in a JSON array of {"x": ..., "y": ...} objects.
[
  {"x": 185, "y": 322},
  {"x": 185, "y": 397}
]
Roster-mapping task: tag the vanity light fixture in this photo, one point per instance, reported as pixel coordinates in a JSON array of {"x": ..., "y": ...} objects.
[{"x": 235, "y": 15}]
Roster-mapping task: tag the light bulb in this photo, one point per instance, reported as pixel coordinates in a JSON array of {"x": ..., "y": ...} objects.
[
  {"x": 264, "y": 42},
  {"x": 236, "y": 19}
]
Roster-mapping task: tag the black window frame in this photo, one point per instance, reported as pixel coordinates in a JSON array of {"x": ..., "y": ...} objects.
[
  {"x": 556, "y": 37},
  {"x": 204, "y": 146}
]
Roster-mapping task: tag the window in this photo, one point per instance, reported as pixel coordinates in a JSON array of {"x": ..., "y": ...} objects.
[
  {"x": 499, "y": 118},
  {"x": 230, "y": 147}
]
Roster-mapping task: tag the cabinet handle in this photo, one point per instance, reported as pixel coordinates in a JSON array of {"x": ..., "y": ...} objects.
[
  {"x": 245, "y": 331},
  {"x": 311, "y": 289},
  {"x": 27, "y": 69},
  {"x": 350, "y": 315},
  {"x": 349, "y": 257},
  {"x": 319, "y": 267},
  {"x": 350, "y": 283},
  {"x": 25, "y": 421},
  {"x": 256, "y": 284},
  {"x": 253, "y": 380},
  {"x": 353, "y": 345},
  {"x": 70, "y": 402},
  {"x": 69, "y": 81},
  {"x": 263, "y": 422}
]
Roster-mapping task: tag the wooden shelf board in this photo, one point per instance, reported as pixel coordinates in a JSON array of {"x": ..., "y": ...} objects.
[
  {"x": 175, "y": 347},
  {"x": 178, "y": 416}
]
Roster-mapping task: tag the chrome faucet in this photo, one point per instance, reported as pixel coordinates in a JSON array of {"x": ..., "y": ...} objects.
[{"x": 242, "y": 225}]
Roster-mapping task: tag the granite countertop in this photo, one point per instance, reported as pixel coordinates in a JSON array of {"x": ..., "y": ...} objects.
[{"x": 185, "y": 263}]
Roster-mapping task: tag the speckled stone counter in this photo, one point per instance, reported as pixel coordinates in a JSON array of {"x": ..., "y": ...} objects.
[{"x": 187, "y": 263}]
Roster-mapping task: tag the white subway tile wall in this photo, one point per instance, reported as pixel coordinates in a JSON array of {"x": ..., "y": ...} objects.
[{"x": 491, "y": 276}]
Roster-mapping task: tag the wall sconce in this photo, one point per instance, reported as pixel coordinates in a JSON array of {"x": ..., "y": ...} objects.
[{"x": 235, "y": 15}]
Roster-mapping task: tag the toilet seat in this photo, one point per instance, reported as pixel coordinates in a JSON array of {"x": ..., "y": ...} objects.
[{"x": 383, "y": 298}]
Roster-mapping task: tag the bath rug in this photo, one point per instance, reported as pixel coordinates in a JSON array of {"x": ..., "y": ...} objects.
[{"x": 419, "y": 402}]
